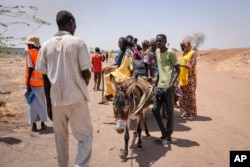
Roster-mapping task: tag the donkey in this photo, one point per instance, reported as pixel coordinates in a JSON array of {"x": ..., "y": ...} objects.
[{"x": 131, "y": 101}]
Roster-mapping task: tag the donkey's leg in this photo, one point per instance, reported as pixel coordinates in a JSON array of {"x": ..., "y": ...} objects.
[
  {"x": 124, "y": 154},
  {"x": 145, "y": 125},
  {"x": 138, "y": 130}
]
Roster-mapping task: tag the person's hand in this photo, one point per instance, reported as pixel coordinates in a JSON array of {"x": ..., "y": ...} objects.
[
  {"x": 171, "y": 86},
  {"x": 28, "y": 88},
  {"x": 108, "y": 69},
  {"x": 186, "y": 66},
  {"x": 49, "y": 112}
]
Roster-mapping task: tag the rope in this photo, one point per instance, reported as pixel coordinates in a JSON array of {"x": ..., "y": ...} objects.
[{"x": 141, "y": 104}]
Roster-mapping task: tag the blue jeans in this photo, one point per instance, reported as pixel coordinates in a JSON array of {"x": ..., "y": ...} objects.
[{"x": 164, "y": 95}]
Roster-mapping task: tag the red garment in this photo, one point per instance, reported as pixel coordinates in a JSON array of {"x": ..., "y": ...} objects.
[{"x": 97, "y": 62}]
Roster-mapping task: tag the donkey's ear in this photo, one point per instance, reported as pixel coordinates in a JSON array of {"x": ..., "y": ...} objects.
[{"x": 113, "y": 83}]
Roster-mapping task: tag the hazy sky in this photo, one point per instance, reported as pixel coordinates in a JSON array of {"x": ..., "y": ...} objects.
[{"x": 226, "y": 23}]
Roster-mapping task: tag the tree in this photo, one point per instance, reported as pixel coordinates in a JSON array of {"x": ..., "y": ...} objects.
[
  {"x": 21, "y": 15},
  {"x": 197, "y": 39}
]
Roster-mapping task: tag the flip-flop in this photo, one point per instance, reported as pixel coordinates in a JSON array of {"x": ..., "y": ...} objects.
[
  {"x": 106, "y": 102},
  {"x": 191, "y": 118},
  {"x": 181, "y": 116}
]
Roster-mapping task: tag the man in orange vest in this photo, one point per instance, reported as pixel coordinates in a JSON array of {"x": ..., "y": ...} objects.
[{"x": 34, "y": 81}]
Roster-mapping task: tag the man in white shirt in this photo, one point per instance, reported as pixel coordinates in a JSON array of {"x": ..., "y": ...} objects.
[{"x": 64, "y": 61}]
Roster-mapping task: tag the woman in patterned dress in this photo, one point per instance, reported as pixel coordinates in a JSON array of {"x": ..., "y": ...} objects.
[{"x": 188, "y": 81}]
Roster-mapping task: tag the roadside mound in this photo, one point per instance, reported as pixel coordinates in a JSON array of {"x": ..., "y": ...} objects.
[{"x": 235, "y": 61}]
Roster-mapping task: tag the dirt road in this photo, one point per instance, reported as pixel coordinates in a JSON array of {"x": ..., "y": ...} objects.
[{"x": 222, "y": 125}]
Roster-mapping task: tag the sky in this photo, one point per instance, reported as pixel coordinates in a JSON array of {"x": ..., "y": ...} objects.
[{"x": 100, "y": 23}]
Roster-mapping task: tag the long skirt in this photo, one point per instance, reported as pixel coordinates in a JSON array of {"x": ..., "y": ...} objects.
[
  {"x": 37, "y": 109},
  {"x": 188, "y": 100}
]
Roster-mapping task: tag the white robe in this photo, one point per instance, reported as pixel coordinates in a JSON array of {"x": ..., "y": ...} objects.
[{"x": 37, "y": 109}]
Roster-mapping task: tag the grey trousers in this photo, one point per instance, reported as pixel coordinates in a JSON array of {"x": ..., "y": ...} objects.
[{"x": 78, "y": 116}]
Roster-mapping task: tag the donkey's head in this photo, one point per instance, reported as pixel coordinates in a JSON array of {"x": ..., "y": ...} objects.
[{"x": 121, "y": 104}]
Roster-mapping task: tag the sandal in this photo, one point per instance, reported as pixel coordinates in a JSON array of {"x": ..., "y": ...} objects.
[
  {"x": 191, "y": 118},
  {"x": 43, "y": 126},
  {"x": 184, "y": 116},
  {"x": 104, "y": 101},
  {"x": 108, "y": 97},
  {"x": 34, "y": 128}
]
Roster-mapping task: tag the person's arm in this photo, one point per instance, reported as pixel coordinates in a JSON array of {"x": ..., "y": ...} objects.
[
  {"x": 30, "y": 67},
  {"x": 92, "y": 68},
  {"x": 176, "y": 75},
  {"x": 185, "y": 66},
  {"x": 103, "y": 57},
  {"x": 30, "y": 71},
  {"x": 174, "y": 62},
  {"x": 47, "y": 86},
  {"x": 86, "y": 75},
  {"x": 147, "y": 63}
]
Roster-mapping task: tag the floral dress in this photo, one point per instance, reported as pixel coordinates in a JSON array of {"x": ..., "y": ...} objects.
[
  {"x": 188, "y": 101},
  {"x": 150, "y": 59}
]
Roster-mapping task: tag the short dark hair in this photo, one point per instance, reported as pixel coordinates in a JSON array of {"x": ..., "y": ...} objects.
[
  {"x": 63, "y": 17},
  {"x": 163, "y": 36},
  {"x": 130, "y": 40},
  {"x": 124, "y": 41},
  {"x": 152, "y": 41},
  {"x": 97, "y": 50},
  {"x": 129, "y": 36}
]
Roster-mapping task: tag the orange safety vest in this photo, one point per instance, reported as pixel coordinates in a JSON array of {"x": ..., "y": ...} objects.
[{"x": 36, "y": 78}]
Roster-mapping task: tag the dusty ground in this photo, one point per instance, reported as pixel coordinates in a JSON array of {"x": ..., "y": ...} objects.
[{"x": 222, "y": 123}]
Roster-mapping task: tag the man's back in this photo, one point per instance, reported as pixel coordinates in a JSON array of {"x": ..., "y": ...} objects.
[
  {"x": 97, "y": 59},
  {"x": 65, "y": 57}
]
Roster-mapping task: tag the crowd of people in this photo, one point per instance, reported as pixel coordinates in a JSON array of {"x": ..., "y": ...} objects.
[{"x": 59, "y": 72}]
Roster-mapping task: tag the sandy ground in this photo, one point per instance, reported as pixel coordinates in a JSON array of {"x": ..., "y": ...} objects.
[{"x": 222, "y": 123}]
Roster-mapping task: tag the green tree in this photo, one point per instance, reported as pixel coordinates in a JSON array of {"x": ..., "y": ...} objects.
[
  {"x": 197, "y": 39},
  {"x": 23, "y": 15}
]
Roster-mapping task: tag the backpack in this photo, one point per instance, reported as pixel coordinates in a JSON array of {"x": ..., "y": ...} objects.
[{"x": 139, "y": 68}]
